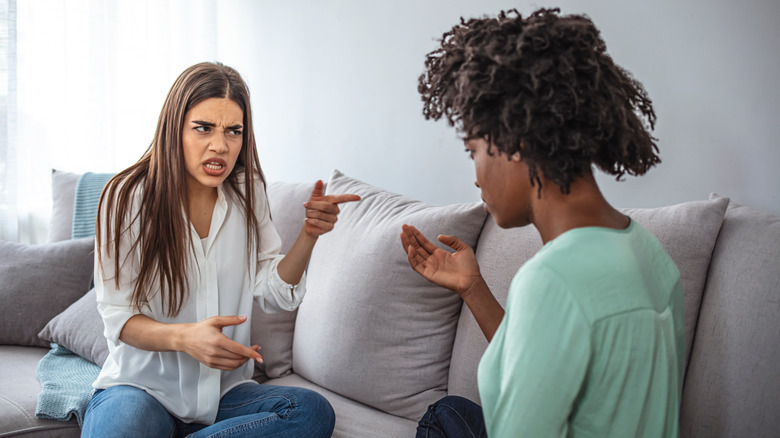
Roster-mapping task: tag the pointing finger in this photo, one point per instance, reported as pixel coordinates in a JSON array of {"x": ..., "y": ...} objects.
[{"x": 338, "y": 199}]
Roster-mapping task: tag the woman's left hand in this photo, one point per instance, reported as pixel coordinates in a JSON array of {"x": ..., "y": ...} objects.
[{"x": 322, "y": 211}]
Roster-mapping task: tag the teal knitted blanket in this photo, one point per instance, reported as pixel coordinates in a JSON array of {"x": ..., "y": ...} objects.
[
  {"x": 85, "y": 203},
  {"x": 67, "y": 385}
]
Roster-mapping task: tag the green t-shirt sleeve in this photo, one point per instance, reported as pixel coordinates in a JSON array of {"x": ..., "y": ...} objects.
[{"x": 541, "y": 361}]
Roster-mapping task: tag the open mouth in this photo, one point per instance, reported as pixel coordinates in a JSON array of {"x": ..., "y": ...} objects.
[{"x": 214, "y": 166}]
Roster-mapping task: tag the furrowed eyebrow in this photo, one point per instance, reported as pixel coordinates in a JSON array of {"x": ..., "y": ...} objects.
[{"x": 214, "y": 125}]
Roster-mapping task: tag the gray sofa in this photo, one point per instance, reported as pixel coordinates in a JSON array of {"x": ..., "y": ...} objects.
[{"x": 381, "y": 343}]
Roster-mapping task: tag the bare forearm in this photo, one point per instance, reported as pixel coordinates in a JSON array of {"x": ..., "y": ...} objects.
[
  {"x": 145, "y": 333},
  {"x": 292, "y": 266},
  {"x": 484, "y": 306}
]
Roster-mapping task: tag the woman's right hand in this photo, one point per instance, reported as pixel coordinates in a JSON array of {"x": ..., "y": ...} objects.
[
  {"x": 457, "y": 271},
  {"x": 205, "y": 342}
]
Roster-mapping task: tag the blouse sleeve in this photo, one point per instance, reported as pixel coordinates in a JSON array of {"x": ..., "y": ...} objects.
[
  {"x": 271, "y": 292},
  {"x": 115, "y": 303},
  {"x": 545, "y": 364}
]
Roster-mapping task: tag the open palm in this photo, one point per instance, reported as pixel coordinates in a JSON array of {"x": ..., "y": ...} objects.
[{"x": 457, "y": 271}]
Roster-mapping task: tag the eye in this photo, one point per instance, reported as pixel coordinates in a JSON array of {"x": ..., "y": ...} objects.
[
  {"x": 235, "y": 132},
  {"x": 470, "y": 153},
  {"x": 202, "y": 128}
]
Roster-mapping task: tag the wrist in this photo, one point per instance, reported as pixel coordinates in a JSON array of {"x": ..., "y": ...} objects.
[
  {"x": 474, "y": 289},
  {"x": 309, "y": 237},
  {"x": 179, "y": 337}
]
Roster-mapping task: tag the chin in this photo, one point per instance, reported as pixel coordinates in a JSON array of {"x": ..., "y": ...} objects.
[{"x": 506, "y": 223}]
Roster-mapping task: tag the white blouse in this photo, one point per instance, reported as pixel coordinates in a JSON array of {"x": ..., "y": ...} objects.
[{"x": 220, "y": 283}]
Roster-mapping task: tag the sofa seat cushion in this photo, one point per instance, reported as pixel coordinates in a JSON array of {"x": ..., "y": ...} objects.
[
  {"x": 732, "y": 388},
  {"x": 353, "y": 419},
  {"x": 371, "y": 328},
  {"x": 19, "y": 389},
  {"x": 687, "y": 231}
]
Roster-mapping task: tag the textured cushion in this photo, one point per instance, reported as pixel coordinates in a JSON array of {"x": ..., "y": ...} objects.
[
  {"x": 371, "y": 329},
  {"x": 687, "y": 231},
  {"x": 79, "y": 329},
  {"x": 63, "y": 192},
  {"x": 732, "y": 388},
  {"x": 39, "y": 282},
  {"x": 273, "y": 332}
]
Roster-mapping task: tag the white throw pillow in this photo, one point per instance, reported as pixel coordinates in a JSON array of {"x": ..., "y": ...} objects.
[{"x": 371, "y": 328}]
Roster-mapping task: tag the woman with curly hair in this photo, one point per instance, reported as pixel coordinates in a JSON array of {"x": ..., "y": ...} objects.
[
  {"x": 592, "y": 340},
  {"x": 185, "y": 246}
]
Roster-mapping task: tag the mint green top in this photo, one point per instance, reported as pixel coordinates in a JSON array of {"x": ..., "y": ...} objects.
[{"x": 592, "y": 342}]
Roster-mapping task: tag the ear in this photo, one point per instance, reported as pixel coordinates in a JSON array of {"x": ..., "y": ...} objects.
[{"x": 516, "y": 157}]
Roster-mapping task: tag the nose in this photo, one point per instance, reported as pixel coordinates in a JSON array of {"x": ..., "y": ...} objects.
[
  {"x": 219, "y": 144},
  {"x": 476, "y": 183}
]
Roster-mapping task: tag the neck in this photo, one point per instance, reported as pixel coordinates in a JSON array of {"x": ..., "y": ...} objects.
[{"x": 554, "y": 213}]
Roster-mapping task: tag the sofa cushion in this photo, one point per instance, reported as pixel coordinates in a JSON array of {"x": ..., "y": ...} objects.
[
  {"x": 39, "y": 282},
  {"x": 354, "y": 419},
  {"x": 19, "y": 396},
  {"x": 371, "y": 329},
  {"x": 732, "y": 387},
  {"x": 273, "y": 332},
  {"x": 687, "y": 231},
  {"x": 79, "y": 329}
]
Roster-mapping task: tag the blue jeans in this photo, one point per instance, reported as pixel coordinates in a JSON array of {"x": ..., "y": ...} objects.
[
  {"x": 246, "y": 410},
  {"x": 452, "y": 417}
]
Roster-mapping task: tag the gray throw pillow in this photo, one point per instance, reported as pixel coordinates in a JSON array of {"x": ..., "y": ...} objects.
[
  {"x": 370, "y": 328},
  {"x": 39, "y": 282},
  {"x": 79, "y": 329}
]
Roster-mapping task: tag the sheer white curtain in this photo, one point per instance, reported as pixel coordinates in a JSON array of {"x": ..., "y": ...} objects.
[
  {"x": 91, "y": 79},
  {"x": 8, "y": 223}
]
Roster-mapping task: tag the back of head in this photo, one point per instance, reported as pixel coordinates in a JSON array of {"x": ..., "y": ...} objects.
[{"x": 543, "y": 86}]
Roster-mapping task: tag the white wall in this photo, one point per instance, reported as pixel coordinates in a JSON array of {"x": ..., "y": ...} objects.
[{"x": 334, "y": 86}]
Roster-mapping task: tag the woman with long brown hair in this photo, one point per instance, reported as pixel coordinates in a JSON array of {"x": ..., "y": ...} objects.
[{"x": 185, "y": 245}]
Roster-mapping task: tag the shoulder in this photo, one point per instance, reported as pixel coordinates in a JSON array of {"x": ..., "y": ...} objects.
[{"x": 539, "y": 289}]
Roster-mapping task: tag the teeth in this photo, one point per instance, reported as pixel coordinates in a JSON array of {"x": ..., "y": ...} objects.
[{"x": 213, "y": 166}]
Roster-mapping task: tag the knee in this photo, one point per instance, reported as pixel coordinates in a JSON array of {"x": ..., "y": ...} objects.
[
  {"x": 442, "y": 409},
  {"x": 315, "y": 409},
  {"x": 125, "y": 408}
]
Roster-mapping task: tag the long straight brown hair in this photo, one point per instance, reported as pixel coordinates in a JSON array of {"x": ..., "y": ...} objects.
[{"x": 160, "y": 174}]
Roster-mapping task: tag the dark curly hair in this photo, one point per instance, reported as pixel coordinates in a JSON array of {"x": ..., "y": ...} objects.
[{"x": 543, "y": 86}]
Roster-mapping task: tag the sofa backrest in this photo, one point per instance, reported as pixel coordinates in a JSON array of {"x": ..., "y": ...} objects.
[
  {"x": 687, "y": 231},
  {"x": 732, "y": 388}
]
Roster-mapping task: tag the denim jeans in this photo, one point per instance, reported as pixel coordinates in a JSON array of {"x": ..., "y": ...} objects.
[
  {"x": 452, "y": 417},
  {"x": 246, "y": 410}
]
